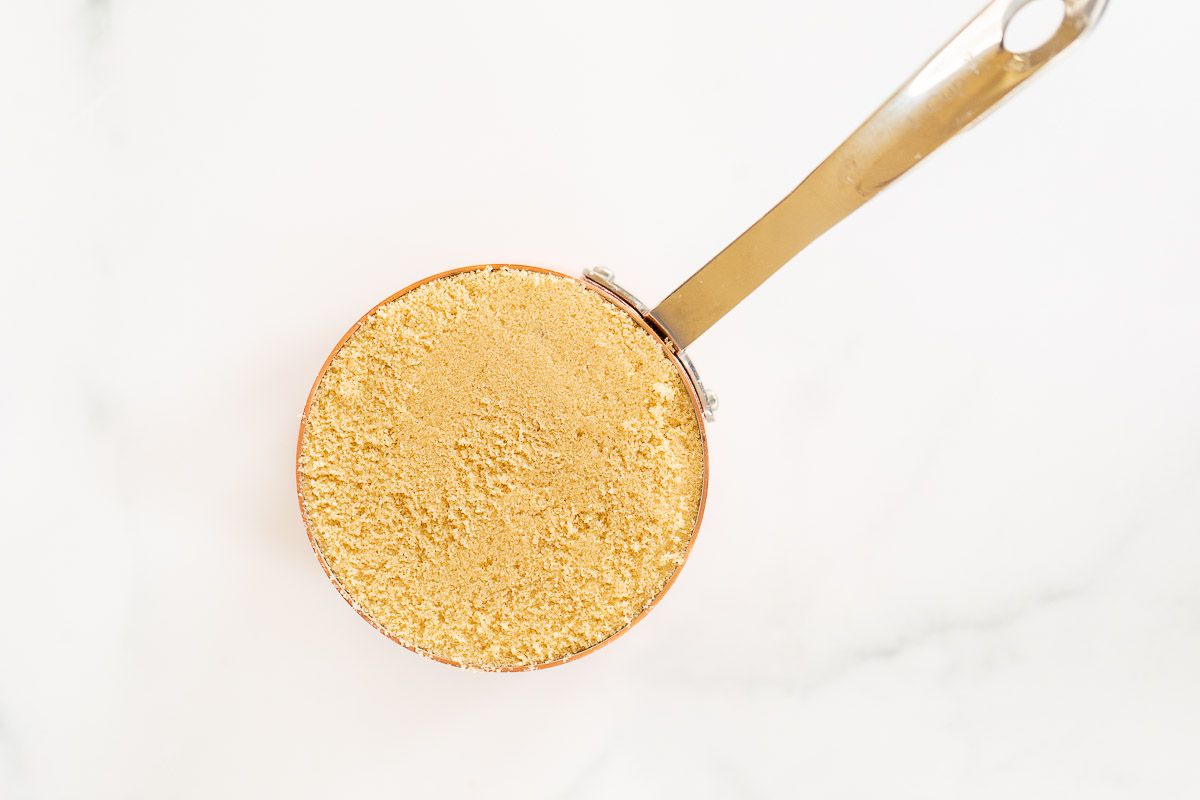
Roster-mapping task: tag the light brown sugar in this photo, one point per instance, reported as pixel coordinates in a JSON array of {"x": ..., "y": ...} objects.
[{"x": 501, "y": 468}]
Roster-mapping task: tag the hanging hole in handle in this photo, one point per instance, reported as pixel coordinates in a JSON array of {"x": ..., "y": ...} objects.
[{"x": 1033, "y": 24}]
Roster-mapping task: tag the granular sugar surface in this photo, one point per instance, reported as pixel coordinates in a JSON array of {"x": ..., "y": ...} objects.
[{"x": 501, "y": 468}]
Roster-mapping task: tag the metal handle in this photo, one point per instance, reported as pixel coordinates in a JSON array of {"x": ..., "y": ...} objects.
[{"x": 958, "y": 86}]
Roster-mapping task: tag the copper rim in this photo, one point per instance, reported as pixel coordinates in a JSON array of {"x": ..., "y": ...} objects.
[{"x": 696, "y": 407}]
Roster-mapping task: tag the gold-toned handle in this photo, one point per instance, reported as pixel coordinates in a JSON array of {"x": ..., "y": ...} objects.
[{"x": 958, "y": 86}]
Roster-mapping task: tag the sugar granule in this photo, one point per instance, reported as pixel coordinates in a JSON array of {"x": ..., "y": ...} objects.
[{"x": 501, "y": 468}]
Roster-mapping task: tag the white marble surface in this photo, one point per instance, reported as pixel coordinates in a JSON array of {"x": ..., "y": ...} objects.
[{"x": 953, "y": 540}]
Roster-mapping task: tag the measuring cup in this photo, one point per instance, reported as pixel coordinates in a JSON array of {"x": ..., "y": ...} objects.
[{"x": 953, "y": 91}]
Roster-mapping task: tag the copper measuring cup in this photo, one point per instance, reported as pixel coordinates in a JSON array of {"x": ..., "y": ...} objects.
[{"x": 956, "y": 88}]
